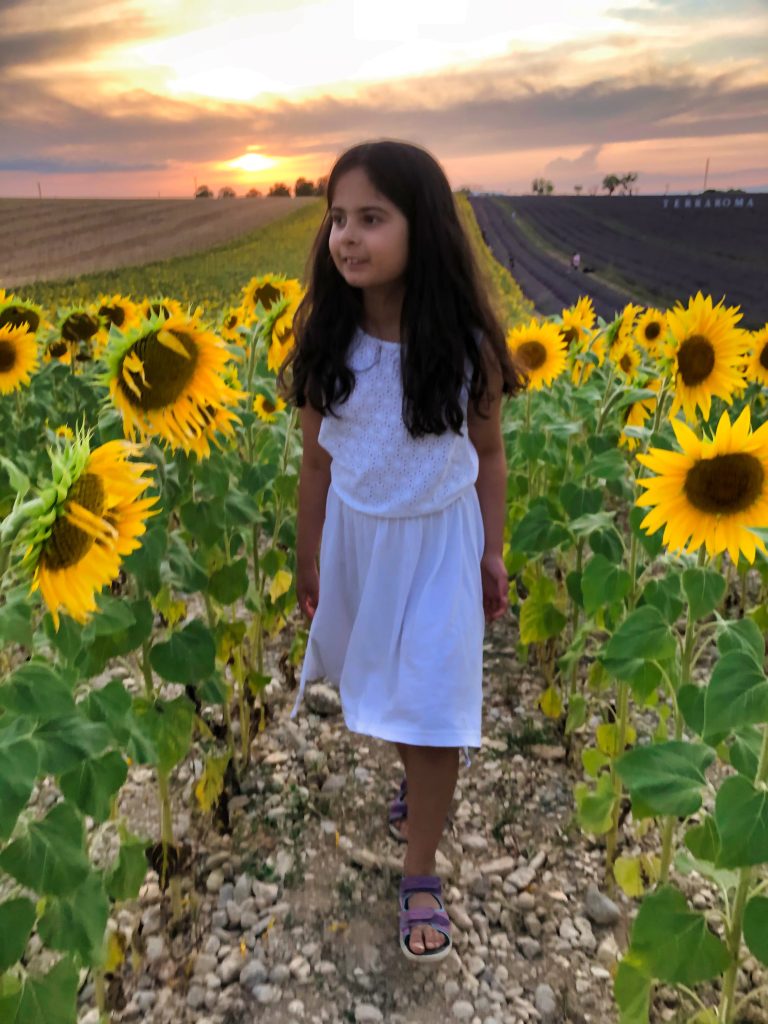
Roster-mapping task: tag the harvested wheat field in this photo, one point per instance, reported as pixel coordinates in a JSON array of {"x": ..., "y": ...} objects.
[{"x": 47, "y": 239}]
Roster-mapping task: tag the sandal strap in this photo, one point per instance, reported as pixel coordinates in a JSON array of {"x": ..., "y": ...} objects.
[
  {"x": 398, "y": 810},
  {"x": 410, "y": 884},
  {"x": 430, "y": 916}
]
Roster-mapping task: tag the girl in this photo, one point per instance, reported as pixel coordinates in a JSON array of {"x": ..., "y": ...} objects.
[{"x": 394, "y": 337}]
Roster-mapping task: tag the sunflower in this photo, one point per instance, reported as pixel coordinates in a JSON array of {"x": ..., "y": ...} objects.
[
  {"x": 578, "y": 321},
  {"x": 88, "y": 520},
  {"x": 712, "y": 492},
  {"x": 278, "y": 326},
  {"x": 266, "y": 291},
  {"x": 167, "y": 378},
  {"x": 14, "y": 312},
  {"x": 540, "y": 350},
  {"x": 231, "y": 323},
  {"x": 638, "y": 413},
  {"x": 706, "y": 346},
  {"x": 18, "y": 357},
  {"x": 627, "y": 359},
  {"x": 757, "y": 363},
  {"x": 163, "y": 308},
  {"x": 266, "y": 409},
  {"x": 117, "y": 311},
  {"x": 651, "y": 330}
]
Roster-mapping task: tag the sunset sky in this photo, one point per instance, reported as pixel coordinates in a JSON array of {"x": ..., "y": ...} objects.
[{"x": 147, "y": 97}]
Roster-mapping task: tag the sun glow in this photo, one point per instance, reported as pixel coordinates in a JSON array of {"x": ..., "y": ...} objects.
[{"x": 251, "y": 162}]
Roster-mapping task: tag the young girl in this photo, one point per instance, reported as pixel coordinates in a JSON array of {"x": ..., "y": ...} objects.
[{"x": 403, "y": 478}]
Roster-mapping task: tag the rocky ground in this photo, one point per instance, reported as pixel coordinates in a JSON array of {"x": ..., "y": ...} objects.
[{"x": 292, "y": 916}]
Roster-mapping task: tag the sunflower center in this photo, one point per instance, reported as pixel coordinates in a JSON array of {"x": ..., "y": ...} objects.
[
  {"x": 533, "y": 354},
  {"x": 57, "y": 348},
  {"x": 695, "y": 359},
  {"x": 267, "y": 294},
  {"x": 68, "y": 544},
  {"x": 114, "y": 314},
  {"x": 725, "y": 484},
  {"x": 652, "y": 330},
  {"x": 268, "y": 406},
  {"x": 18, "y": 315},
  {"x": 625, "y": 363},
  {"x": 570, "y": 335},
  {"x": 7, "y": 356},
  {"x": 230, "y": 322},
  {"x": 166, "y": 372},
  {"x": 79, "y": 327},
  {"x": 764, "y": 357}
]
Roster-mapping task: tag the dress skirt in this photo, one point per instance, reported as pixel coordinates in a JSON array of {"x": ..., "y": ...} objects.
[{"x": 399, "y": 624}]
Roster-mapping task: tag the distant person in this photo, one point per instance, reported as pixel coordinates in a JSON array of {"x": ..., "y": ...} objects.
[
  {"x": 387, "y": 488},
  {"x": 576, "y": 261}
]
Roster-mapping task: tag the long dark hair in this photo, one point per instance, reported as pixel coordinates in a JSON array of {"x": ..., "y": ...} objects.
[{"x": 445, "y": 308}]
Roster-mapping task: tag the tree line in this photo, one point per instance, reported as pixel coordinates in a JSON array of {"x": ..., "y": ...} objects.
[
  {"x": 302, "y": 187},
  {"x": 611, "y": 183}
]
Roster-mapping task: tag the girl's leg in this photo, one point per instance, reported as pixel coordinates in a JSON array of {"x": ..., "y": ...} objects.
[
  {"x": 432, "y": 774},
  {"x": 402, "y": 823}
]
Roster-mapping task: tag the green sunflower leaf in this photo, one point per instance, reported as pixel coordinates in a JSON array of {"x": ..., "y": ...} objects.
[
  {"x": 737, "y": 695},
  {"x": 188, "y": 656},
  {"x": 50, "y": 857},
  {"x": 603, "y": 583},
  {"x": 756, "y": 928},
  {"x": 741, "y": 816},
  {"x": 76, "y": 923},
  {"x": 19, "y": 765},
  {"x": 17, "y": 918},
  {"x": 94, "y": 782},
  {"x": 673, "y": 943},
  {"x": 667, "y": 777},
  {"x": 704, "y": 589}
]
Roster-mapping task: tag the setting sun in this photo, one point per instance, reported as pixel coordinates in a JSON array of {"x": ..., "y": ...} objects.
[{"x": 251, "y": 162}]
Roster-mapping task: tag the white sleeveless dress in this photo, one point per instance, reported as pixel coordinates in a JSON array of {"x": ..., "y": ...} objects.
[{"x": 399, "y": 625}]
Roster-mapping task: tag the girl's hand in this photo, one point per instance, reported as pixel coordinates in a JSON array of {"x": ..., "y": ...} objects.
[
  {"x": 495, "y": 586},
  {"x": 308, "y": 588}
]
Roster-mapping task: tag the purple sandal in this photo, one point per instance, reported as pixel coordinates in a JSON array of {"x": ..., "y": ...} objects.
[
  {"x": 398, "y": 811},
  {"x": 434, "y": 917}
]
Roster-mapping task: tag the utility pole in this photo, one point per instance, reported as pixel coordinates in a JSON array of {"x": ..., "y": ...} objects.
[
  {"x": 39, "y": 191},
  {"x": 706, "y": 175}
]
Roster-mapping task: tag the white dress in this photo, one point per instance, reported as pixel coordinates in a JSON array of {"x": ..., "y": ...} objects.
[{"x": 399, "y": 624}]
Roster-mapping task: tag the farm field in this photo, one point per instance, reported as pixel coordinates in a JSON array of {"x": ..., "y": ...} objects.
[
  {"x": 641, "y": 249},
  {"x": 175, "y": 847},
  {"x": 46, "y": 239}
]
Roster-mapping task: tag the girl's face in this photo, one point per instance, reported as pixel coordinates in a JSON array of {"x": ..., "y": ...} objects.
[{"x": 369, "y": 234}]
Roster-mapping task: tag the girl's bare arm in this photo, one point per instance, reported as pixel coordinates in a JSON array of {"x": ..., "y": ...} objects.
[{"x": 314, "y": 480}]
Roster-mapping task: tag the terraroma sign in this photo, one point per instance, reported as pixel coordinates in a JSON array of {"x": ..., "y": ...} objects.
[{"x": 708, "y": 202}]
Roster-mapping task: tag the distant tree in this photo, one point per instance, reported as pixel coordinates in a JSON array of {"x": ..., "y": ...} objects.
[
  {"x": 304, "y": 187},
  {"x": 577, "y": 189},
  {"x": 203, "y": 192},
  {"x": 321, "y": 186},
  {"x": 226, "y": 192},
  {"x": 280, "y": 189},
  {"x": 610, "y": 183},
  {"x": 626, "y": 181},
  {"x": 252, "y": 193},
  {"x": 542, "y": 186}
]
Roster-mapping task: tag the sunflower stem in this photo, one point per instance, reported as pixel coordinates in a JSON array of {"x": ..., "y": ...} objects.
[
  {"x": 733, "y": 933},
  {"x": 621, "y": 742},
  {"x": 146, "y": 669},
  {"x": 668, "y": 829},
  {"x": 167, "y": 841}
]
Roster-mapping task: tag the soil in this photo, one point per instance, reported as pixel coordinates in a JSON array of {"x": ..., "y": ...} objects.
[{"x": 48, "y": 239}]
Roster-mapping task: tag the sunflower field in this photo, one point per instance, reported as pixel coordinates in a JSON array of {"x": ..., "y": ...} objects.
[{"x": 147, "y": 527}]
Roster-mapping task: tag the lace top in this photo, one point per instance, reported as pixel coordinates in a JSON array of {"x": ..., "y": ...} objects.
[{"x": 377, "y": 467}]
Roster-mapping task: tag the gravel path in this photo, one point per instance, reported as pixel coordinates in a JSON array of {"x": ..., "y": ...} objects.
[{"x": 292, "y": 917}]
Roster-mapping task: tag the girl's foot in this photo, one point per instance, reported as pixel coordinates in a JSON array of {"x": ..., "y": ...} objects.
[
  {"x": 425, "y": 930},
  {"x": 423, "y": 938}
]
